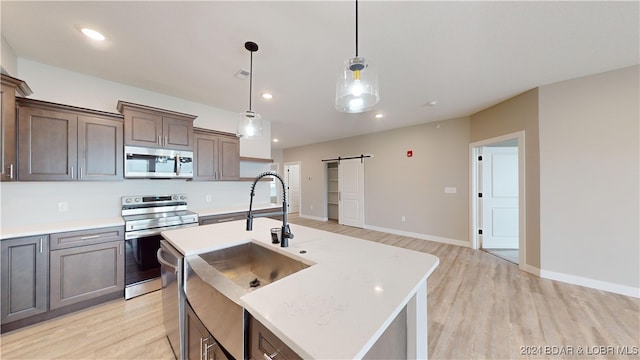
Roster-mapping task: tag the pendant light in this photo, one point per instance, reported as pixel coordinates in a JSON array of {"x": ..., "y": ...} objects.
[
  {"x": 250, "y": 124},
  {"x": 357, "y": 85}
]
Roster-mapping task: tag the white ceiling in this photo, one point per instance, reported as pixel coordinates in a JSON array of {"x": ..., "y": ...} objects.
[{"x": 465, "y": 55}]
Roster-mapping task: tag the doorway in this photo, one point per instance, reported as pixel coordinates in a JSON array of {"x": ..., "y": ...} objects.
[
  {"x": 497, "y": 203},
  {"x": 292, "y": 184}
]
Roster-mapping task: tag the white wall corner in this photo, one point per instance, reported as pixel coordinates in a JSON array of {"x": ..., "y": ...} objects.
[{"x": 9, "y": 60}]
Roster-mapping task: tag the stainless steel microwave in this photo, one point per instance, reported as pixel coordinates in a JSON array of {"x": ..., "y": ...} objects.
[{"x": 149, "y": 163}]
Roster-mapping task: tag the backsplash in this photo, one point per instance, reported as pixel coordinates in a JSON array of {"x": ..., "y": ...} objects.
[{"x": 24, "y": 203}]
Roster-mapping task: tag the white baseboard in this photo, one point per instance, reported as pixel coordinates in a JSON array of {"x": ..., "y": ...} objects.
[
  {"x": 317, "y": 218},
  {"x": 420, "y": 236},
  {"x": 551, "y": 275},
  {"x": 591, "y": 283}
]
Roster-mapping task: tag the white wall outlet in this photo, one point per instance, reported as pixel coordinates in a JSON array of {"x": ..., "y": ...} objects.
[
  {"x": 63, "y": 206},
  {"x": 207, "y": 198},
  {"x": 404, "y": 218},
  {"x": 450, "y": 190}
]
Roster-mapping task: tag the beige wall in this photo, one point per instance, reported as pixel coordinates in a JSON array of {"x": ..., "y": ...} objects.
[
  {"x": 396, "y": 185},
  {"x": 517, "y": 114},
  {"x": 589, "y": 166}
]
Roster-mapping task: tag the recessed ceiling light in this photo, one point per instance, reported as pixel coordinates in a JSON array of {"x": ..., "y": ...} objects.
[
  {"x": 267, "y": 96},
  {"x": 275, "y": 140},
  {"x": 379, "y": 116},
  {"x": 92, "y": 34},
  {"x": 432, "y": 103}
]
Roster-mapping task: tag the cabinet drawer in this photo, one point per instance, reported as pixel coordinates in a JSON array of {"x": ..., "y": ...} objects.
[
  {"x": 215, "y": 219},
  {"x": 86, "y": 237},
  {"x": 263, "y": 344}
]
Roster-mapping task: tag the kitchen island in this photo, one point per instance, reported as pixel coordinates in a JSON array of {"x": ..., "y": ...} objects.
[{"x": 339, "y": 307}]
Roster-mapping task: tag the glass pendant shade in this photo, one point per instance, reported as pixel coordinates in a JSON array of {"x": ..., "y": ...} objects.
[
  {"x": 357, "y": 87},
  {"x": 250, "y": 125}
]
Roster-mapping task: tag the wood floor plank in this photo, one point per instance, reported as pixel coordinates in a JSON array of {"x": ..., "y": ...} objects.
[{"x": 479, "y": 307}]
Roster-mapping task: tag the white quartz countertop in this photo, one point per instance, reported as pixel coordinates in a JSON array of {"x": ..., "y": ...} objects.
[
  {"x": 335, "y": 309},
  {"x": 8, "y": 232}
]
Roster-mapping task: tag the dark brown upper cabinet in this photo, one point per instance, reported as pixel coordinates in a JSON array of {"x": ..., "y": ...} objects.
[
  {"x": 216, "y": 155},
  {"x": 61, "y": 142},
  {"x": 147, "y": 126},
  {"x": 8, "y": 128}
]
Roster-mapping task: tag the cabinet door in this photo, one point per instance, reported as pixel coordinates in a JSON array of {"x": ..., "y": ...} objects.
[
  {"x": 47, "y": 144},
  {"x": 86, "y": 272},
  {"x": 229, "y": 159},
  {"x": 177, "y": 133},
  {"x": 206, "y": 157},
  {"x": 197, "y": 337},
  {"x": 24, "y": 264},
  {"x": 8, "y": 154},
  {"x": 142, "y": 129},
  {"x": 100, "y": 149}
]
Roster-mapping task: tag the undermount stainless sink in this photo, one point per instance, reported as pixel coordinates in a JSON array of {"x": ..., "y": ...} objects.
[
  {"x": 251, "y": 265},
  {"x": 215, "y": 282}
]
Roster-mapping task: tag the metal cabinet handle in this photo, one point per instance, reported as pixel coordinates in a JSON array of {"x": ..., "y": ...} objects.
[
  {"x": 41, "y": 245},
  {"x": 10, "y": 171},
  {"x": 120, "y": 249},
  {"x": 266, "y": 356},
  {"x": 159, "y": 141},
  {"x": 72, "y": 173},
  {"x": 205, "y": 348},
  {"x": 81, "y": 173},
  {"x": 166, "y": 141},
  {"x": 89, "y": 237}
]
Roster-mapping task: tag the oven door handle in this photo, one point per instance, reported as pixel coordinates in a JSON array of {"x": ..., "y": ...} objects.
[{"x": 164, "y": 262}]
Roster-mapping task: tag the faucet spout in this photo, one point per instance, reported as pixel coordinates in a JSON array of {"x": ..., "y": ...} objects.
[{"x": 285, "y": 232}]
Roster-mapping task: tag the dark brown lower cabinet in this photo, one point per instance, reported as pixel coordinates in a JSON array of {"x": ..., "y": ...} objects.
[
  {"x": 200, "y": 343},
  {"x": 46, "y": 276},
  {"x": 85, "y": 272},
  {"x": 24, "y": 264}
]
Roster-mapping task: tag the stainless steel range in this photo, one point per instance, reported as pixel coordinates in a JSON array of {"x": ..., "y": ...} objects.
[{"x": 145, "y": 216}]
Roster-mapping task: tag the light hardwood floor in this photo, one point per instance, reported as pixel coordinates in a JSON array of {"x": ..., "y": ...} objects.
[{"x": 479, "y": 307}]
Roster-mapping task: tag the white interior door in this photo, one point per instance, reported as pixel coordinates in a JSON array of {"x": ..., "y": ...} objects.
[
  {"x": 351, "y": 192},
  {"x": 499, "y": 197},
  {"x": 292, "y": 182}
]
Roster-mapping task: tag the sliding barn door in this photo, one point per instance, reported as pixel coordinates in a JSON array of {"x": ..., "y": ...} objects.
[{"x": 351, "y": 192}]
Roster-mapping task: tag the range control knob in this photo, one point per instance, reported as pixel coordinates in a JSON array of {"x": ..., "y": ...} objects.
[
  {"x": 182, "y": 197},
  {"x": 174, "y": 197},
  {"x": 137, "y": 200},
  {"x": 127, "y": 200}
]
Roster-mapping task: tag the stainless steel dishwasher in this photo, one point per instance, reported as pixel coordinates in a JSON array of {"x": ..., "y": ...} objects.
[{"x": 173, "y": 297}]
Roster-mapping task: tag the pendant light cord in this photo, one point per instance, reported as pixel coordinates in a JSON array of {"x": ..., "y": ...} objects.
[
  {"x": 356, "y": 28},
  {"x": 250, "y": 79}
]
